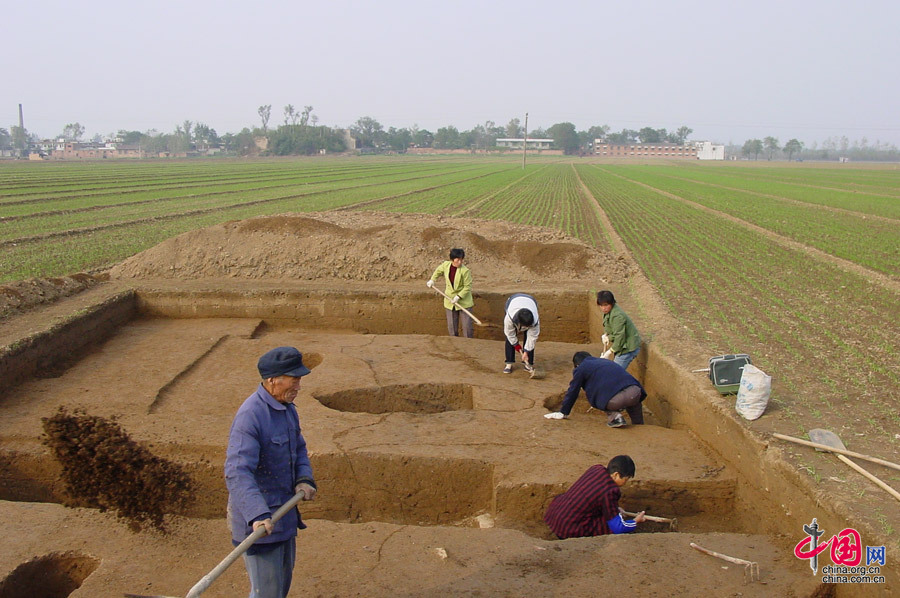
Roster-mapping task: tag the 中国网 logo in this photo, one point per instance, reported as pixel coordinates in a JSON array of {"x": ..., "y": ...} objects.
[{"x": 846, "y": 552}]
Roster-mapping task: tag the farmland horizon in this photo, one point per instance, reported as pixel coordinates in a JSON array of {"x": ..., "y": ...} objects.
[{"x": 730, "y": 72}]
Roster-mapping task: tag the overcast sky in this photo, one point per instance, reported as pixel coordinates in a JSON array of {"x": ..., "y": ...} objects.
[{"x": 730, "y": 71}]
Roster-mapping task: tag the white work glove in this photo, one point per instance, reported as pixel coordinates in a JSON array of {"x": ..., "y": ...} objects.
[
  {"x": 429, "y": 284},
  {"x": 455, "y": 299},
  {"x": 605, "y": 339},
  {"x": 308, "y": 491},
  {"x": 556, "y": 415},
  {"x": 608, "y": 354}
]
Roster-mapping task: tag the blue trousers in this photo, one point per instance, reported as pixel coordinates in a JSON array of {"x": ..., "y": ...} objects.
[
  {"x": 623, "y": 359},
  {"x": 271, "y": 571}
]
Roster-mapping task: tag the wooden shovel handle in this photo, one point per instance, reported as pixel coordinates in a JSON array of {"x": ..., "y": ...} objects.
[
  {"x": 831, "y": 449},
  {"x": 241, "y": 548},
  {"x": 883, "y": 486},
  {"x": 471, "y": 315}
]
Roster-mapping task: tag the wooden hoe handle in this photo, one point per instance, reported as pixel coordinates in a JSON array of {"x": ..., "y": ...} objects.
[
  {"x": 471, "y": 315},
  {"x": 831, "y": 449}
]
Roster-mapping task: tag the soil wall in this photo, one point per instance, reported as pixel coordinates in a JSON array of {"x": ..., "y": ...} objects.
[
  {"x": 565, "y": 314},
  {"x": 48, "y": 352},
  {"x": 776, "y": 499}
]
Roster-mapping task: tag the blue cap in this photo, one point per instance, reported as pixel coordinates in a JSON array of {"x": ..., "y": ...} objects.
[{"x": 282, "y": 361}]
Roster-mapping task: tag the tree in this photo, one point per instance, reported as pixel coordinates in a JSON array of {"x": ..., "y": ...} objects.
[
  {"x": 597, "y": 132},
  {"x": 19, "y": 137},
  {"x": 290, "y": 115},
  {"x": 651, "y": 135},
  {"x": 73, "y": 131},
  {"x": 565, "y": 137},
  {"x": 186, "y": 130},
  {"x": 752, "y": 147},
  {"x": 680, "y": 135},
  {"x": 367, "y": 131},
  {"x": 304, "y": 118},
  {"x": 264, "y": 112},
  {"x": 771, "y": 146},
  {"x": 398, "y": 140},
  {"x": 422, "y": 137},
  {"x": 204, "y": 135},
  {"x": 5, "y": 139},
  {"x": 792, "y": 147},
  {"x": 513, "y": 129},
  {"x": 447, "y": 138}
]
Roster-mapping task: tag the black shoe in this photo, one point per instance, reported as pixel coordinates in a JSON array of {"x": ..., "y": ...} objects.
[{"x": 617, "y": 422}]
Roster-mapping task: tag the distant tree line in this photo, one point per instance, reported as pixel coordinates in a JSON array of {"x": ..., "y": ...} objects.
[
  {"x": 832, "y": 148},
  {"x": 300, "y": 134}
]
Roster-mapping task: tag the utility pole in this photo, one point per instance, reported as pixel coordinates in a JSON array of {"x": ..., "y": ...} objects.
[{"x": 525, "y": 142}]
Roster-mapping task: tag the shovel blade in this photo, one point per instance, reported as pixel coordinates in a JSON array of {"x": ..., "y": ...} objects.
[{"x": 826, "y": 437}]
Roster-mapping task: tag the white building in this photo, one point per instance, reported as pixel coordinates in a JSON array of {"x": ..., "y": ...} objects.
[
  {"x": 707, "y": 150},
  {"x": 540, "y": 144}
]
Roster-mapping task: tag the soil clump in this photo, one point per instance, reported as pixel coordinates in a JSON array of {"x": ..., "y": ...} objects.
[{"x": 103, "y": 467}]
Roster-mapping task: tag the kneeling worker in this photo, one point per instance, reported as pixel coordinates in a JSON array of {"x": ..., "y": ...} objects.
[
  {"x": 607, "y": 386},
  {"x": 591, "y": 506}
]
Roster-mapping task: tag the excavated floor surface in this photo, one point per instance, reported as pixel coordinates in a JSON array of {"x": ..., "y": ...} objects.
[{"x": 434, "y": 471}]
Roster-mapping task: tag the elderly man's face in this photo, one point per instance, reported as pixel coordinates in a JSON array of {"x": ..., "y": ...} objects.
[{"x": 284, "y": 388}]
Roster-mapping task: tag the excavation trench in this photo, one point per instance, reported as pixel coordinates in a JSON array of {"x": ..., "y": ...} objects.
[{"x": 405, "y": 425}]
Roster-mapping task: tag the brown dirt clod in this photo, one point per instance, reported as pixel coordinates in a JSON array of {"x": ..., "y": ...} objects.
[{"x": 104, "y": 467}]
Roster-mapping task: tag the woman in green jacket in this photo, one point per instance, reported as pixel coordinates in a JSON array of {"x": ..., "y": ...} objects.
[
  {"x": 458, "y": 289},
  {"x": 621, "y": 333}
]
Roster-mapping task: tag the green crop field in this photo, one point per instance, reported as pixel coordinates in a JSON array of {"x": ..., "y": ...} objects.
[{"x": 798, "y": 265}]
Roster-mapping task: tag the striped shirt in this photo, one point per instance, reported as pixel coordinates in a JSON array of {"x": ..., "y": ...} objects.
[{"x": 586, "y": 508}]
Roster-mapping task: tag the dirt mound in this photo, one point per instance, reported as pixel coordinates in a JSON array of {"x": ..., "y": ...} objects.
[
  {"x": 373, "y": 246},
  {"x": 103, "y": 466},
  {"x": 19, "y": 296}
]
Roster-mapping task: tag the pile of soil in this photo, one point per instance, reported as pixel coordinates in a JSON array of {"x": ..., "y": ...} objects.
[
  {"x": 19, "y": 296},
  {"x": 103, "y": 467},
  {"x": 373, "y": 246}
]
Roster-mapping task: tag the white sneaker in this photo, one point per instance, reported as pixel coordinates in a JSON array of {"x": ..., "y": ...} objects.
[{"x": 508, "y": 369}]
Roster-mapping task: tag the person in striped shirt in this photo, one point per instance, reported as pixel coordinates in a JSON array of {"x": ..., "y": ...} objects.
[{"x": 591, "y": 506}]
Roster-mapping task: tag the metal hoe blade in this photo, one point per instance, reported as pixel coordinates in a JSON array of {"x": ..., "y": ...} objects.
[{"x": 826, "y": 437}]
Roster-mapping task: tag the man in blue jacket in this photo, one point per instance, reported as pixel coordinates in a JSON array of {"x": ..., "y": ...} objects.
[
  {"x": 607, "y": 386},
  {"x": 265, "y": 465}
]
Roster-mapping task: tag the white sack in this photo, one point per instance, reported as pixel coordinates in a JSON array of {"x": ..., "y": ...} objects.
[{"x": 753, "y": 394}]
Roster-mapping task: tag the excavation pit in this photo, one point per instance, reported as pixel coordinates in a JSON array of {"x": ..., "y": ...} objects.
[
  {"x": 54, "y": 575},
  {"x": 411, "y": 398}
]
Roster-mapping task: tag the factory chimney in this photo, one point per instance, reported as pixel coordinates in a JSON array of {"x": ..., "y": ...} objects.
[{"x": 21, "y": 118}]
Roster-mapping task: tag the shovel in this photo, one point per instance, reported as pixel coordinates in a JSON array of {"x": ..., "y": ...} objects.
[
  {"x": 830, "y": 439},
  {"x": 471, "y": 315},
  {"x": 202, "y": 585}
]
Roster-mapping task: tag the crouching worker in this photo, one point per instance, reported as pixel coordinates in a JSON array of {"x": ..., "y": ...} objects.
[
  {"x": 591, "y": 506},
  {"x": 608, "y": 387}
]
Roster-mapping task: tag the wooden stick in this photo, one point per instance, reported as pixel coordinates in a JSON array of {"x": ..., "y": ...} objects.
[
  {"x": 831, "y": 449},
  {"x": 649, "y": 517},
  {"x": 884, "y": 486},
  {"x": 241, "y": 548},
  {"x": 471, "y": 315},
  {"x": 749, "y": 566}
]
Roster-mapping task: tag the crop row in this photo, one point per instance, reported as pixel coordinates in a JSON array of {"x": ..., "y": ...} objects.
[
  {"x": 234, "y": 194},
  {"x": 549, "y": 197},
  {"x": 73, "y": 250},
  {"x": 870, "y": 242},
  {"x": 111, "y": 191},
  {"x": 738, "y": 291},
  {"x": 879, "y": 200}
]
